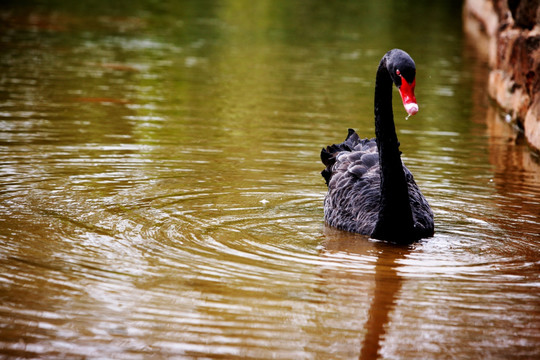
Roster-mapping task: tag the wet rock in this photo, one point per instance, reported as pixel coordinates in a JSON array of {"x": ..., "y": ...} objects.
[{"x": 532, "y": 124}]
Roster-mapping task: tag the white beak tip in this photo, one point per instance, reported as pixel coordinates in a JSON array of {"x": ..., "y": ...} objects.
[{"x": 411, "y": 108}]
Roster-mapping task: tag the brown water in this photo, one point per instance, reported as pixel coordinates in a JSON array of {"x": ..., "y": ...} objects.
[{"x": 160, "y": 194}]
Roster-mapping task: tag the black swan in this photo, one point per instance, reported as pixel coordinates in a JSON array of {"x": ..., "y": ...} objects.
[{"x": 370, "y": 191}]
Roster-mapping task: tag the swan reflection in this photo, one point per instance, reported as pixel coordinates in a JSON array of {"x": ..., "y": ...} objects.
[{"x": 377, "y": 275}]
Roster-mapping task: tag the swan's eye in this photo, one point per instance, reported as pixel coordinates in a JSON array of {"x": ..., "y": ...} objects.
[{"x": 398, "y": 72}]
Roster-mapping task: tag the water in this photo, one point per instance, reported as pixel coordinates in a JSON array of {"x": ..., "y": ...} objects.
[{"x": 160, "y": 193}]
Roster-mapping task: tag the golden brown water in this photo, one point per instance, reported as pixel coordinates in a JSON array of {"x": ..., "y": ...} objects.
[{"x": 160, "y": 193}]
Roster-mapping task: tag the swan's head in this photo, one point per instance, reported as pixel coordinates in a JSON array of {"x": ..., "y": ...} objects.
[{"x": 403, "y": 73}]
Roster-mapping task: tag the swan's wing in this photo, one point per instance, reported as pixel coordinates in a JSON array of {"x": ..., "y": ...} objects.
[
  {"x": 352, "y": 143},
  {"x": 353, "y": 177}
]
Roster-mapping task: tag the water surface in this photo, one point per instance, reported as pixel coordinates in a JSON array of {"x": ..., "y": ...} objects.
[{"x": 160, "y": 191}]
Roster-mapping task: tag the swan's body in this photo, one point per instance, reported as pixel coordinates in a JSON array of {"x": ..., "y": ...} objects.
[
  {"x": 370, "y": 191},
  {"x": 353, "y": 202}
]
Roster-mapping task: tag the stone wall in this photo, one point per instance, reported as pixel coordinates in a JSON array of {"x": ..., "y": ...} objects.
[{"x": 507, "y": 33}]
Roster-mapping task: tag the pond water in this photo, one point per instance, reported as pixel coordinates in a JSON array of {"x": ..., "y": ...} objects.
[{"x": 160, "y": 188}]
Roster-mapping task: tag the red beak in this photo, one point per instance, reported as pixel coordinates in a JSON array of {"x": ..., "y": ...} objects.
[{"x": 406, "y": 91}]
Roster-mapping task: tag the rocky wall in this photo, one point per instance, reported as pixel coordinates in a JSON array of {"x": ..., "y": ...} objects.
[{"x": 507, "y": 33}]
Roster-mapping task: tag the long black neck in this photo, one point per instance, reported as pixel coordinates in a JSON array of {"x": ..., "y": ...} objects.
[{"x": 395, "y": 221}]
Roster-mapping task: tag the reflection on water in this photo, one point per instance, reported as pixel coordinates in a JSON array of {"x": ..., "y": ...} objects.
[
  {"x": 516, "y": 177},
  {"x": 386, "y": 282},
  {"x": 160, "y": 191}
]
